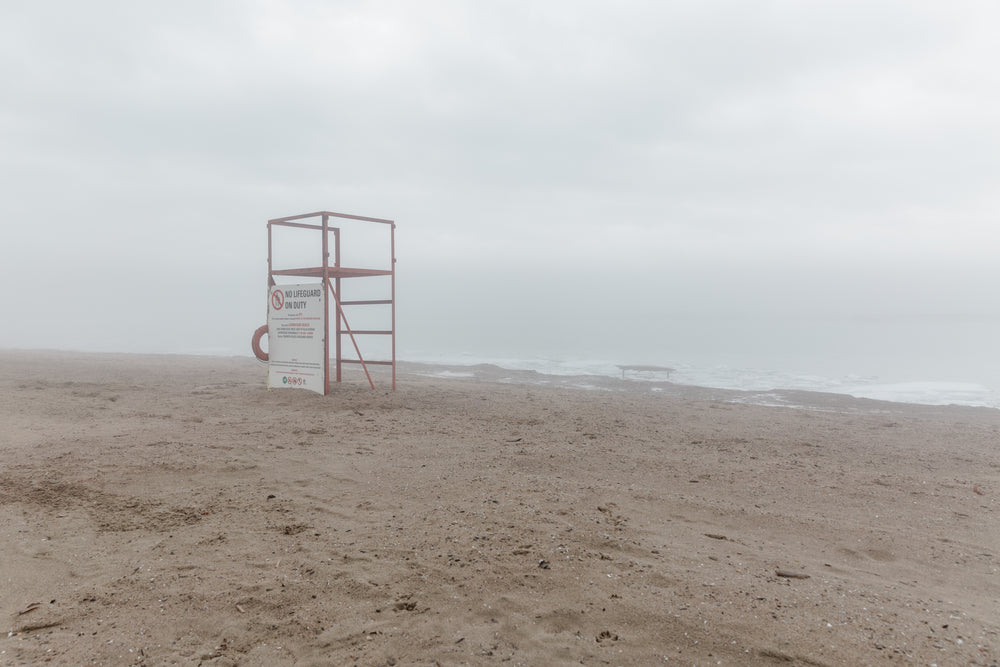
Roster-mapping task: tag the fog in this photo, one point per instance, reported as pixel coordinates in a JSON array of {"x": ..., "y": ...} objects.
[{"x": 694, "y": 182}]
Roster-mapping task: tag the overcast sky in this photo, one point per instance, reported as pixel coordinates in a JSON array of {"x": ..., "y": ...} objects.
[{"x": 627, "y": 161}]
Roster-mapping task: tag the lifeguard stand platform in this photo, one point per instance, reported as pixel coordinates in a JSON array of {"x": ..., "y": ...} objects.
[{"x": 289, "y": 330}]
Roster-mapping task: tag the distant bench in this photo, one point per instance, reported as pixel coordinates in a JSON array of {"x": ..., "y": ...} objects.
[{"x": 642, "y": 368}]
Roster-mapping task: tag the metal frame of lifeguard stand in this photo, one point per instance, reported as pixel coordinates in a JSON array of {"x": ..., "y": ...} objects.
[{"x": 331, "y": 276}]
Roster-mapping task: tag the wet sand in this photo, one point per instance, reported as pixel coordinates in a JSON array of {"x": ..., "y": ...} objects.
[{"x": 170, "y": 510}]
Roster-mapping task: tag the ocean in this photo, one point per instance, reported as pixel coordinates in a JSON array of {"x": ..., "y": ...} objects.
[{"x": 921, "y": 360}]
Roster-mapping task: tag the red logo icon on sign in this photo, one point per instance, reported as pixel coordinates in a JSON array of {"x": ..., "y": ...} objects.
[{"x": 278, "y": 299}]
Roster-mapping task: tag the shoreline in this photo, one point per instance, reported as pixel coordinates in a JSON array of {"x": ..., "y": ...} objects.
[
  {"x": 783, "y": 398},
  {"x": 489, "y": 372}
]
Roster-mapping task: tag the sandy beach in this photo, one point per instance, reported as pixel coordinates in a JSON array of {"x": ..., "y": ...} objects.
[{"x": 161, "y": 510}]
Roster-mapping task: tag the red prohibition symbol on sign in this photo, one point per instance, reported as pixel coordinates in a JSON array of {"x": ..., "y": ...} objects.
[{"x": 278, "y": 299}]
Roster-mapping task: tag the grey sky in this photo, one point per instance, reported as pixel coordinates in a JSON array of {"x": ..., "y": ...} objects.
[{"x": 684, "y": 157}]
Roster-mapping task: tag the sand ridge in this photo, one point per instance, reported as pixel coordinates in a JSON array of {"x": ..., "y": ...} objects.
[{"x": 169, "y": 510}]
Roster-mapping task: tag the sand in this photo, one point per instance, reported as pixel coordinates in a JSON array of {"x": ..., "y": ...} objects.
[{"x": 170, "y": 510}]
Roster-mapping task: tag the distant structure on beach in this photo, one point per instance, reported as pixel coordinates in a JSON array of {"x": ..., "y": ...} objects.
[
  {"x": 643, "y": 368},
  {"x": 300, "y": 338}
]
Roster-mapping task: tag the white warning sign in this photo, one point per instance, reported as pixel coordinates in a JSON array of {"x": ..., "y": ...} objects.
[{"x": 295, "y": 329}]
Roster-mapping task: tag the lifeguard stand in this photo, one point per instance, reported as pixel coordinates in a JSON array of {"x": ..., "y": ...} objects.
[{"x": 331, "y": 276}]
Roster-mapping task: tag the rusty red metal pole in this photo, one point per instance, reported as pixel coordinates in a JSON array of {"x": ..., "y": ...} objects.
[
  {"x": 326, "y": 307},
  {"x": 270, "y": 267},
  {"x": 336, "y": 262},
  {"x": 392, "y": 267}
]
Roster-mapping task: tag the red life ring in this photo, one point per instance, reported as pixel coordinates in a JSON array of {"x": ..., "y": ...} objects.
[{"x": 255, "y": 343}]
